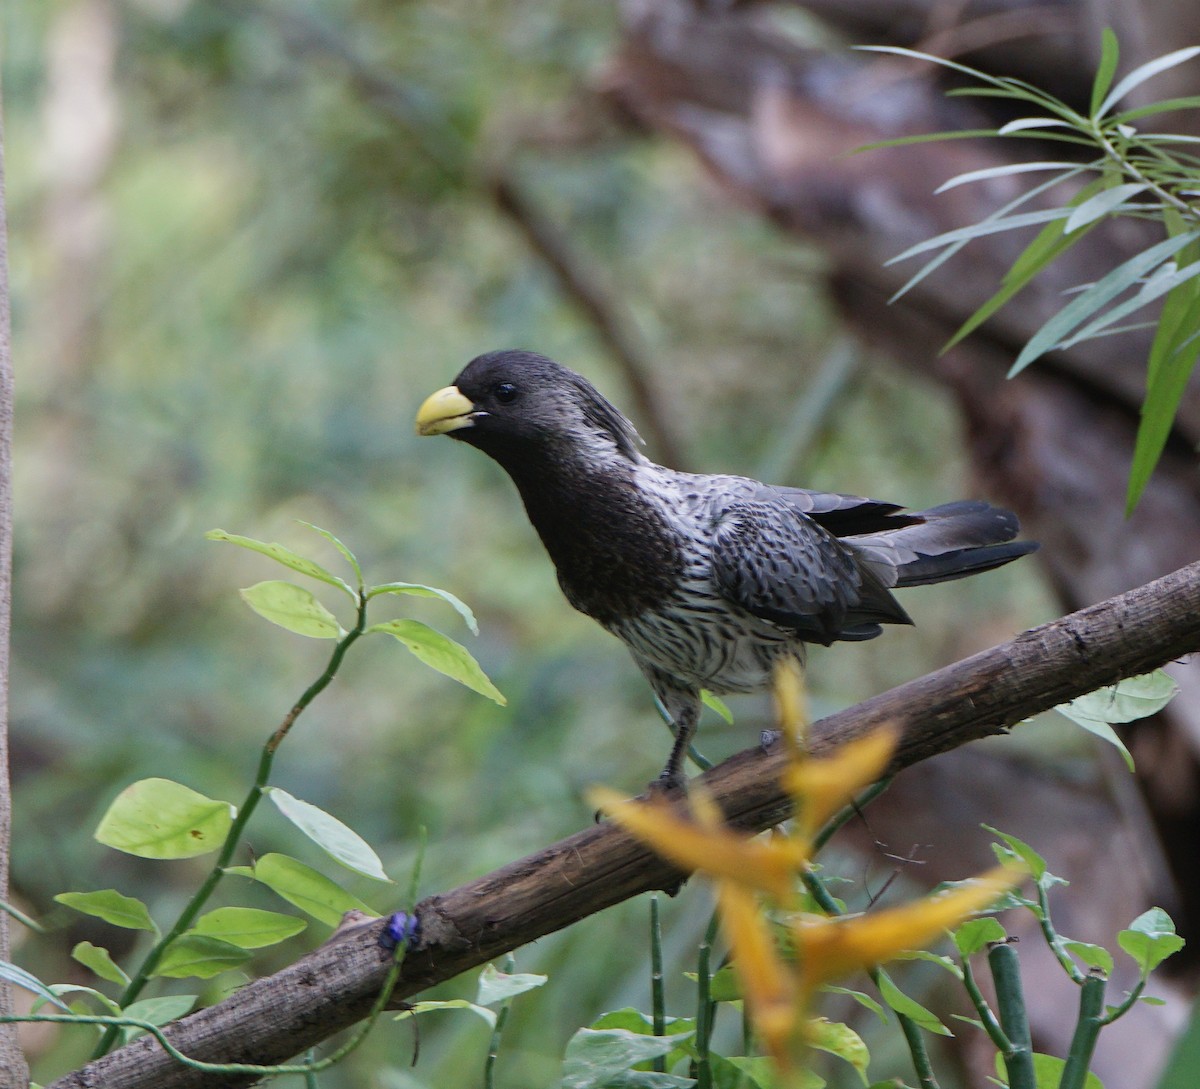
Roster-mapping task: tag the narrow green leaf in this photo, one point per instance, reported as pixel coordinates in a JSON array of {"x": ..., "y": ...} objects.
[
  {"x": 1166, "y": 105},
  {"x": 98, "y": 960},
  {"x": 310, "y": 891},
  {"x": 910, "y": 1007},
  {"x": 941, "y": 961},
  {"x": 1025, "y": 124},
  {"x": 158, "y": 1011},
  {"x": 103, "y": 1003},
  {"x": 248, "y": 928},
  {"x": 347, "y": 555},
  {"x": 1173, "y": 356},
  {"x": 1103, "y": 204},
  {"x": 1150, "y": 939},
  {"x": 340, "y": 842},
  {"x": 201, "y": 956},
  {"x": 1094, "y": 956},
  {"x": 715, "y": 703},
  {"x": 1164, "y": 279},
  {"x": 496, "y": 986},
  {"x": 864, "y": 1000},
  {"x": 1007, "y": 170},
  {"x": 293, "y": 608},
  {"x": 438, "y": 1005},
  {"x": 1110, "y": 54},
  {"x": 441, "y": 653},
  {"x": 418, "y": 590},
  {"x": 1096, "y": 295},
  {"x": 981, "y": 229},
  {"x": 29, "y": 982},
  {"x": 112, "y": 907},
  {"x": 159, "y": 818},
  {"x": 280, "y": 554},
  {"x": 977, "y": 934},
  {"x": 840, "y": 1040},
  {"x": 1144, "y": 72}
]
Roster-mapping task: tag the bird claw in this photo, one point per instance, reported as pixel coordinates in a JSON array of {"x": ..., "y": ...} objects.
[
  {"x": 401, "y": 927},
  {"x": 768, "y": 738}
]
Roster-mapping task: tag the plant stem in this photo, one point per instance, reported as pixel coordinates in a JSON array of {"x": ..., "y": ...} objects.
[
  {"x": 854, "y": 809},
  {"x": 1054, "y": 940},
  {"x": 657, "y": 1000},
  {"x": 1010, "y": 999},
  {"x": 990, "y": 1025},
  {"x": 236, "y": 829},
  {"x": 489, "y": 1065},
  {"x": 1087, "y": 1029},
  {"x": 1124, "y": 1007},
  {"x": 704, "y": 1005}
]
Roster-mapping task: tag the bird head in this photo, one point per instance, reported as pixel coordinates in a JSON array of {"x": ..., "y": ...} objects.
[{"x": 511, "y": 403}]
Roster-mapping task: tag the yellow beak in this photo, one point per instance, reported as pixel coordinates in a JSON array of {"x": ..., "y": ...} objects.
[{"x": 446, "y": 410}]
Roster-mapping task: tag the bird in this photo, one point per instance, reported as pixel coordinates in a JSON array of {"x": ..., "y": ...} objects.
[{"x": 709, "y": 580}]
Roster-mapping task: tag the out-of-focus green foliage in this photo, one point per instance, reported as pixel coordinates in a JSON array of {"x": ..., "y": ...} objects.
[{"x": 238, "y": 267}]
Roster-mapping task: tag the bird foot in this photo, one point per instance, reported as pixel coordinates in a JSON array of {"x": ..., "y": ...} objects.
[{"x": 768, "y": 738}]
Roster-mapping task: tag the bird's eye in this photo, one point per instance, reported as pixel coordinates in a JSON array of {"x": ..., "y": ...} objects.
[{"x": 505, "y": 392}]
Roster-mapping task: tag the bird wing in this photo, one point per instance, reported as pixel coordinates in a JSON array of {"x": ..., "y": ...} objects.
[
  {"x": 781, "y": 565},
  {"x": 843, "y": 515}
]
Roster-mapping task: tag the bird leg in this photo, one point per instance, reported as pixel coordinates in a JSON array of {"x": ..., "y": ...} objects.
[{"x": 685, "y": 716}]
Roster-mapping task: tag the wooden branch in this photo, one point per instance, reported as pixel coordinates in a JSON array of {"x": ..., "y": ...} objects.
[{"x": 276, "y": 1017}]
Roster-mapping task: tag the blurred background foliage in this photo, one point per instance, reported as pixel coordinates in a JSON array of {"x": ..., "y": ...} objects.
[{"x": 246, "y": 241}]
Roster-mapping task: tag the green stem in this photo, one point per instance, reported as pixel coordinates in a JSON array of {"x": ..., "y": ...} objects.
[
  {"x": 489, "y": 1065},
  {"x": 704, "y": 1005},
  {"x": 1124, "y": 1007},
  {"x": 234, "y": 836},
  {"x": 990, "y": 1025},
  {"x": 1054, "y": 940},
  {"x": 1087, "y": 1030},
  {"x": 22, "y": 918},
  {"x": 1131, "y": 169},
  {"x": 1010, "y": 999},
  {"x": 657, "y": 999},
  {"x": 854, "y": 809}
]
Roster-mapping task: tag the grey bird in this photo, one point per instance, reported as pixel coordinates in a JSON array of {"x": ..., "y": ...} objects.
[{"x": 709, "y": 580}]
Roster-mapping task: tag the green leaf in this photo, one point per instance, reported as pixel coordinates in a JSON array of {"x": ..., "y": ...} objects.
[
  {"x": 754, "y": 1072},
  {"x": 1047, "y": 1072},
  {"x": 310, "y": 891},
  {"x": 158, "y": 1011},
  {"x": 1173, "y": 356},
  {"x": 1150, "y": 939},
  {"x": 199, "y": 955},
  {"x": 1126, "y": 701},
  {"x": 1094, "y": 956},
  {"x": 293, "y": 608},
  {"x": 99, "y": 960},
  {"x": 842, "y": 1041},
  {"x": 347, "y": 555},
  {"x": 1020, "y": 850},
  {"x": 102, "y": 1001},
  {"x": 340, "y": 842},
  {"x": 1102, "y": 204},
  {"x": 1110, "y": 54},
  {"x": 496, "y": 986},
  {"x": 979, "y": 230},
  {"x": 1007, "y": 170},
  {"x": 864, "y": 1000},
  {"x": 112, "y": 907},
  {"x": 159, "y": 818},
  {"x": 437, "y": 1005},
  {"x": 601, "y": 1058},
  {"x": 977, "y": 934},
  {"x": 910, "y": 1007},
  {"x": 441, "y": 653},
  {"x": 1162, "y": 281},
  {"x": 285, "y": 556},
  {"x": 715, "y": 703},
  {"x": 248, "y": 928},
  {"x": 417, "y": 590},
  {"x": 29, "y": 982},
  {"x": 1097, "y": 295},
  {"x": 1144, "y": 72},
  {"x": 932, "y": 958}
]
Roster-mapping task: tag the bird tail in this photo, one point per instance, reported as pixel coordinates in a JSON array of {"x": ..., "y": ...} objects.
[{"x": 946, "y": 542}]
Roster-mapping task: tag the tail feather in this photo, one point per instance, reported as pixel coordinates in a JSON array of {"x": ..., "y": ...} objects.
[{"x": 947, "y": 542}]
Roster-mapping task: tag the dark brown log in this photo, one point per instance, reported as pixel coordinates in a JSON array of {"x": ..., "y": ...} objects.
[{"x": 273, "y": 1018}]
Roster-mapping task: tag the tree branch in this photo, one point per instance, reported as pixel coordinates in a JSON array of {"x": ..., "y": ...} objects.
[{"x": 276, "y": 1017}]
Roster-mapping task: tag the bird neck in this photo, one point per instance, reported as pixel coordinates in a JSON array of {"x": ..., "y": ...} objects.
[{"x": 612, "y": 546}]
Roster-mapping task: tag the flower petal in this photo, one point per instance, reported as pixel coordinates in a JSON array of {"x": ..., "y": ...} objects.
[{"x": 821, "y": 785}]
